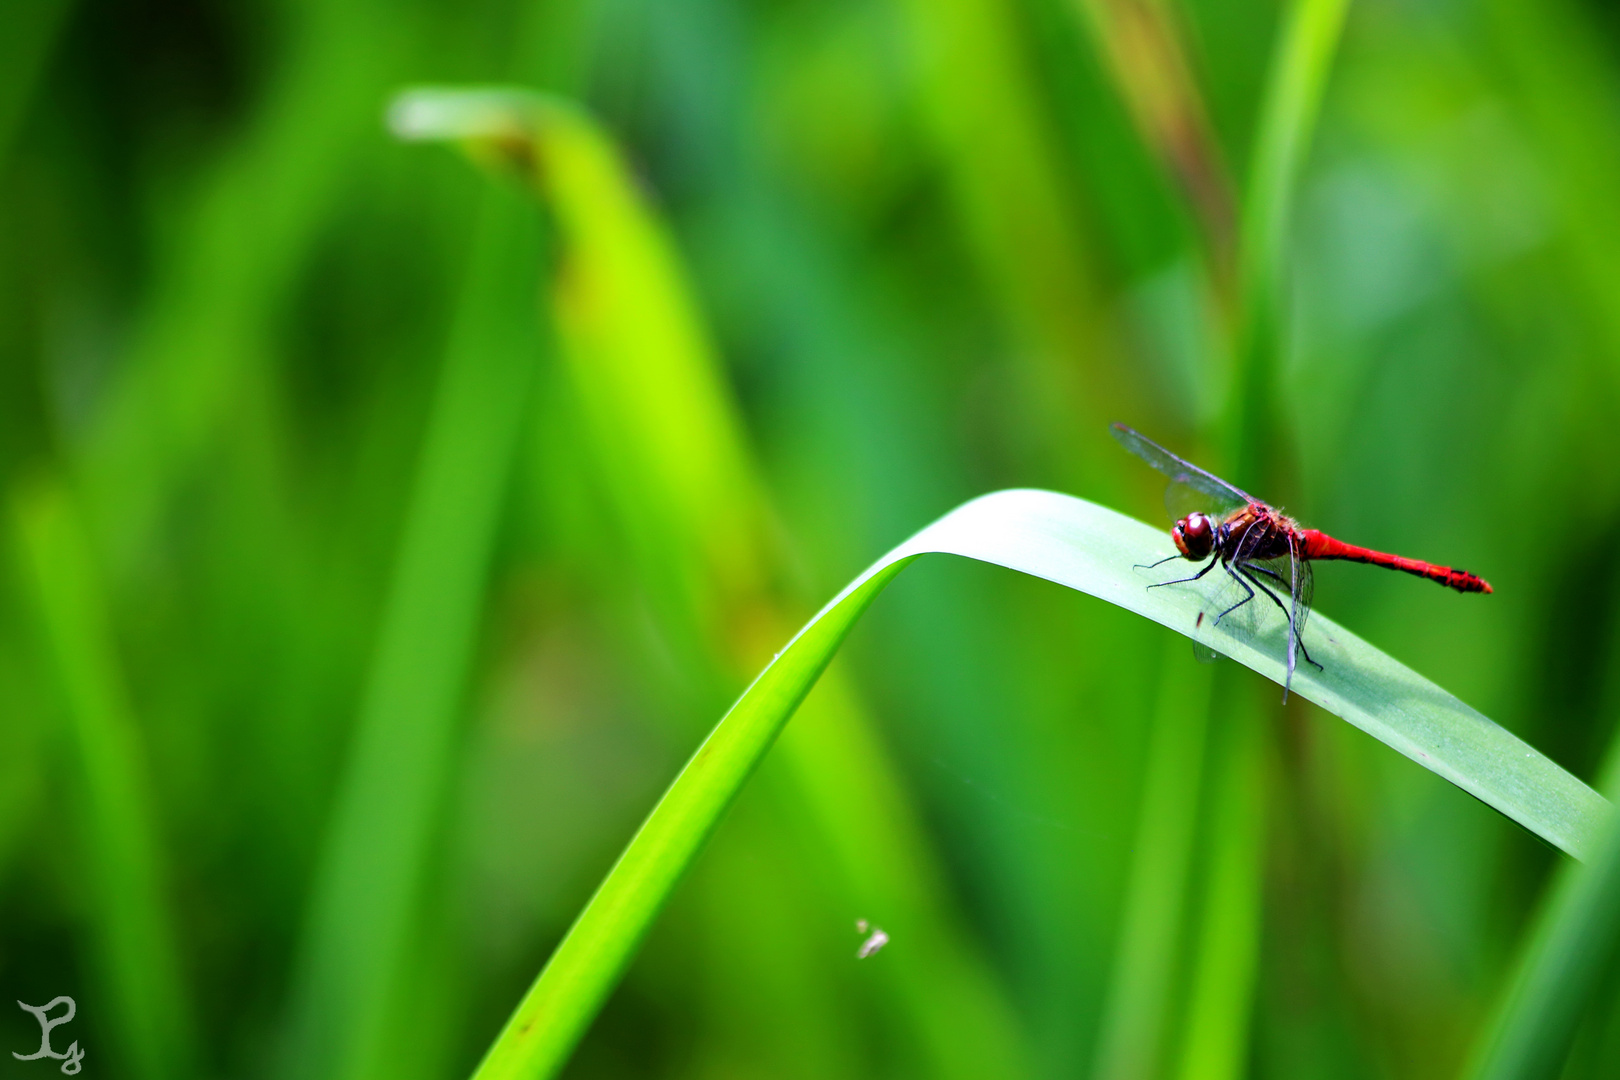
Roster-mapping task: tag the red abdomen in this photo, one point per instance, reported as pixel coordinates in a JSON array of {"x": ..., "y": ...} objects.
[{"x": 1319, "y": 545}]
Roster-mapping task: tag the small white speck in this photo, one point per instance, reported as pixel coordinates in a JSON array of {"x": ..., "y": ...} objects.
[{"x": 872, "y": 944}]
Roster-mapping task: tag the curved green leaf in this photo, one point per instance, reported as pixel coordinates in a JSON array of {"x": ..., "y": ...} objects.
[
  {"x": 671, "y": 449},
  {"x": 1310, "y": 37},
  {"x": 1565, "y": 954},
  {"x": 1085, "y": 547}
]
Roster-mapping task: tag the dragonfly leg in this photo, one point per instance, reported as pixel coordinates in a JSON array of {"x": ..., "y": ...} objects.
[
  {"x": 1241, "y": 602},
  {"x": 1249, "y": 572},
  {"x": 1182, "y": 581},
  {"x": 1161, "y": 562},
  {"x": 1250, "y": 568},
  {"x": 1268, "y": 571}
]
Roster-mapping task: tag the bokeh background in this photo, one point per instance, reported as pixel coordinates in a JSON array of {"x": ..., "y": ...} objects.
[{"x": 349, "y": 624}]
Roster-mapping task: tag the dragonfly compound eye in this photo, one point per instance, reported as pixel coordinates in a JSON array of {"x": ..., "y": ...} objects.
[{"x": 1194, "y": 536}]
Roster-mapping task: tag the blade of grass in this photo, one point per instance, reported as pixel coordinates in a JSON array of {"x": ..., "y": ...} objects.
[
  {"x": 640, "y": 362},
  {"x": 1572, "y": 942},
  {"x": 540, "y": 1036},
  {"x": 132, "y": 925},
  {"x": 1304, "y": 55},
  {"x": 1142, "y": 42},
  {"x": 1136, "y": 1018},
  {"x": 672, "y": 443},
  {"x": 966, "y": 1025},
  {"x": 370, "y": 880},
  {"x": 1565, "y": 954},
  {"x": 1084, "y": 547},
  {"x": 1215, "y": 1042},
  {"x": 1002, "y": 165},
  {"x": 1005, "y": 176},
  {"x": 1562, "y": 86},
  {"x": 234, "y": 256}
]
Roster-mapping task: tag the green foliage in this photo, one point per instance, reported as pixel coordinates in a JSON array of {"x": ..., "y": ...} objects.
[
  {"x": 1564, "y": 960},
  {"x": 1086, "y": 548},
  {"x": 133, "y": 932},
  {"x": 372, "y": 873},
  {"x": 383, "y": 537},
  {"x": 665, "y": 435}
]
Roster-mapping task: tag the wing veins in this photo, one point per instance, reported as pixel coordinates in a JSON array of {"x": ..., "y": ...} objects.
[{"x": 1179, "y": 469}]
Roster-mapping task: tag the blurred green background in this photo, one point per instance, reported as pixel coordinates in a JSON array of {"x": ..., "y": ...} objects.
[{"x": 381, "y": 537}]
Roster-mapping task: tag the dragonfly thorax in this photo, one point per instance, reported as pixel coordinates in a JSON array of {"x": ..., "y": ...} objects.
[{"x": 1194, "y": 536}]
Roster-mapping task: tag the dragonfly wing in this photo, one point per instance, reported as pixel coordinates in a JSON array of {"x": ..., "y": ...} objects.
[
  {"x": 1299, "y": 578},
  {"x": 1181, "y": 499},
  {"x": 1304, "y": 592},
  {"x": 1217, "y": 493},
  {"x": 1290, "y": 583}
]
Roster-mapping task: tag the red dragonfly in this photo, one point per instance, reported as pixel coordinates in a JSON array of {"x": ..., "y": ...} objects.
[{"x": 1260, "y": 548}]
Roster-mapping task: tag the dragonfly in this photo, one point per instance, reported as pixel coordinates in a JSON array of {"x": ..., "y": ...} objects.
[{"x": 1261, "y": 549}]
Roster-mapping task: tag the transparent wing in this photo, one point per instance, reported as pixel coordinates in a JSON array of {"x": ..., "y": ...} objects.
[
  {"x": 1304, "y": 592},
  {"x": 1181, "y": 499},
  {"x": 1290, "y": 585},
  {"x": 1216, "y": 493},
  {"x": 1294, "y": 586}
]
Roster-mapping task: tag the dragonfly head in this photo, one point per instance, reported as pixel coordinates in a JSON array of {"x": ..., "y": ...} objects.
[{"x": 1194, "y": 536}]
